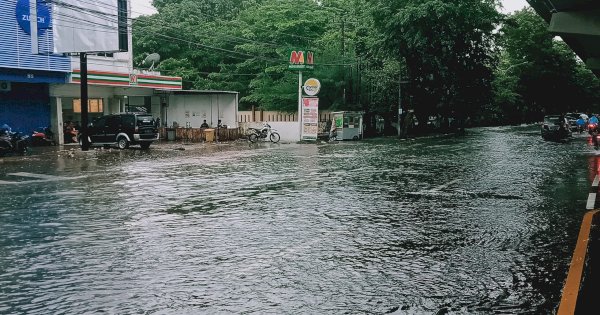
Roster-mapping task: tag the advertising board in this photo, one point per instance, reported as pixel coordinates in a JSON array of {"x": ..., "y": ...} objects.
[
  {"x": 310, "y": 118},
  {"x": 98, "y": 26}
]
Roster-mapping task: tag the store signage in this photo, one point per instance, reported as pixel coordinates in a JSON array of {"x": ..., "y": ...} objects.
[
  {"x": 129, "y": 79},
  {"x": 301, "y": 60},
  {"x": 310, "y": 118},
  {"x": 23, "y": 17},
  {"x": 133, "y": 79},
  {"x": 312, "y": 87}
]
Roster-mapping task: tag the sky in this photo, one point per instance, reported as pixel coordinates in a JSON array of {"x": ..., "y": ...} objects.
[
  {"x": 143, "y": 7},
  {"x": 511, "y": 5}
]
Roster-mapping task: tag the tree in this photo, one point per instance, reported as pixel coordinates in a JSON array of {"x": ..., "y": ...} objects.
[
  {"x": 449, "y": 51},
  {"x": 538, "y": 73}
]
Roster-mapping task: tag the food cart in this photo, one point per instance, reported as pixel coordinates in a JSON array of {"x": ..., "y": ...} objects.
[{"x": 348, "y": 125}]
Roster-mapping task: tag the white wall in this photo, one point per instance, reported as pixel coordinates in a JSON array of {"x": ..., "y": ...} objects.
[
  {"x": 133, "y": 91},
  {"x": 121, "y": 63},
  {"x": 288, "y": 130},
  {"x": 195, "y": 108},
  {"x": 74, "y": 91}
]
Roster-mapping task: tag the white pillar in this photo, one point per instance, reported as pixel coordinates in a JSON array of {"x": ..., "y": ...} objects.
[
  {"x": 33, "y": 25},
  {"x": 56, "y": 119},
  {"x": 106, "y": 105}
]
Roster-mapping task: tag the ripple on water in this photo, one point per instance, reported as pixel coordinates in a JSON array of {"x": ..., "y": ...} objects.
[{"x": 473, "y": 225}]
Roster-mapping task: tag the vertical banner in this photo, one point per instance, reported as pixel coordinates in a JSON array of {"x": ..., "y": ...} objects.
[{"x": 310, "y": 118}]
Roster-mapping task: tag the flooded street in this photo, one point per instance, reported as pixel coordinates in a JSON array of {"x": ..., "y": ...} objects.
[{"x": 480, "y": 224}]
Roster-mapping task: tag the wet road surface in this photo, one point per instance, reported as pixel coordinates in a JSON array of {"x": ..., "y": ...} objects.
[{"x": 480, "y": 224}]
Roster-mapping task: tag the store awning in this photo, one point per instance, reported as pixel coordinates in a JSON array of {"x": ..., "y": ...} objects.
[{"x": 129, "y": 80}]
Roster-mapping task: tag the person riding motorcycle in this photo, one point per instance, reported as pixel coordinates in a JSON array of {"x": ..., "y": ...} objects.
[
  {"x": 580, "y": 124},
  {"x": 593, "y": 129}
]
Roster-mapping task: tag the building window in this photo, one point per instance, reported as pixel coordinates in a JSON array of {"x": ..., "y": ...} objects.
[
  {"x": 141, "y": 104},
  {"x": 95, "y": 105},
  {"x": 108, "y": 55}
]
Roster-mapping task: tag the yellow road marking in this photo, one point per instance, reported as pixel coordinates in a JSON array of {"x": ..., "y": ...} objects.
[{"x": 573, "y": 283}]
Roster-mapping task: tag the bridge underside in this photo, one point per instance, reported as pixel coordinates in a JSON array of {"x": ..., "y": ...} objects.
[{"x": 577, "y": 22}]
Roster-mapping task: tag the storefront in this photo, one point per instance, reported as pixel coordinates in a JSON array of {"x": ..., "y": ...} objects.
[
  {"x": 24, "y": 76},
  {"x": 111, "y": 92}
]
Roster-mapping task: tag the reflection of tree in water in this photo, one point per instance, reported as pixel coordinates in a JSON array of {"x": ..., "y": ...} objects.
[{"x": 540, "y": 276}]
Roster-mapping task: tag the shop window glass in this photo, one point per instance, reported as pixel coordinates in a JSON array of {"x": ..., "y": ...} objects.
[{"x": 95, "y": 105}]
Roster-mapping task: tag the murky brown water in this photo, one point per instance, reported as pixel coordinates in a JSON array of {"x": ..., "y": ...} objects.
[{"x": 481, "y": 224}]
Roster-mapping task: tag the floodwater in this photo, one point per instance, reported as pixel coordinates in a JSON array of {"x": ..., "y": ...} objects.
[{"x": 479, "y": 224}]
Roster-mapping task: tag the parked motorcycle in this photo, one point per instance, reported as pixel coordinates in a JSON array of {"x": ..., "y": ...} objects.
[
  {"x": 13, "y": 142},
  {"x": 266, "y": 132},
  {"x": 42, "y": 137}
]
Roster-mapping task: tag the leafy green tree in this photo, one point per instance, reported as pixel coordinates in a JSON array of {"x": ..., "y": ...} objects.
[
  {"x": 539, "y": 74},
  {"x": 448, "y": 47}
]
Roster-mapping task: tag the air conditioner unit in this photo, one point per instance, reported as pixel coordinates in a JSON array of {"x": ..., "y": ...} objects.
[{"x": 4, "y": 86}]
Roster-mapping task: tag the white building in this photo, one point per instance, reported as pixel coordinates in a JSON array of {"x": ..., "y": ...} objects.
[{"x": 114, "y": 85}]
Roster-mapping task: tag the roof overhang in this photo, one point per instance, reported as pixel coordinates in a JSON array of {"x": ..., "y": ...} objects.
[
  {"x": 199, "y": 92},
  {"x": 577, "y": 22}
]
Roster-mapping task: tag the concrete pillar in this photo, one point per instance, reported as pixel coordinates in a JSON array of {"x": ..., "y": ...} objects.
[
  {"x": 56, "y": 119},
  {"x": 106, "y": 105},
  {"x": 115, "y": 105},
  {"x": 155, "y": 106}
]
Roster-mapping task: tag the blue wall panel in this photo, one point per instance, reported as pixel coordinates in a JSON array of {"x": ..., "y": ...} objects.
[
  {"x": 15, "y": 44},
  {"x": 26, "y": 107}
]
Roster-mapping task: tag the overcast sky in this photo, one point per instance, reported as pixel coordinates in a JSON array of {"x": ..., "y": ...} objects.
[{"x": 141, "y": 7}]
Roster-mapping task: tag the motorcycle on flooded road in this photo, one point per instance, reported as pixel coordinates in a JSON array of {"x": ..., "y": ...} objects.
[
  {"x": 593, "y": 131},
  {"x": 13, "y": 142}
]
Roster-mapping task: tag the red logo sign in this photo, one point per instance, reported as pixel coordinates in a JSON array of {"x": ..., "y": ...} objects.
[
  {"x": 297, "y": 58},
  {"x": 133, "y": 79}
]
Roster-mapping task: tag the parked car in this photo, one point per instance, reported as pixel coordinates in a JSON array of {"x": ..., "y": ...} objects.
[
  {"x": 123, "y": 130},
  {"x": 555, "y": 127}
]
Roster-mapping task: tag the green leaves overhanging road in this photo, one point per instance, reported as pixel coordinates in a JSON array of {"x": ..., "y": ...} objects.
[{"x": 458, "y": 57}]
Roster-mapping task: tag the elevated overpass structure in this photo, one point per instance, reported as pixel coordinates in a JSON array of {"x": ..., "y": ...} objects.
[{"x": 577, "y": 22}]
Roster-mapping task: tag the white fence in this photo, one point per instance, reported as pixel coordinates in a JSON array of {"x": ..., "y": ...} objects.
[
  {"x": 289, "y": 131},
  {"x": 250, "y": 116}
]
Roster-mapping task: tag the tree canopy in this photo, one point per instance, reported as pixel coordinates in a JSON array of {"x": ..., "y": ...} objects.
[{"x": 449, "y": 57}]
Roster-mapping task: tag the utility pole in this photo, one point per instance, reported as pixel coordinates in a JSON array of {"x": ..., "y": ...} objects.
[
  {"x": 85, "y": 145},
  {"x": 344, "y": 53},
  {"x": 300, "y": 104},
  {"x": 400, "y": 103},
  {"x": 400, "y": 82},
  {"x": 359, "y": 78}
]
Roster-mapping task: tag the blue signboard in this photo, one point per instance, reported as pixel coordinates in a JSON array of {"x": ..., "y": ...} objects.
[
  {"x": 23, "y": 16},
  {"x": 15, "y": 40}
]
